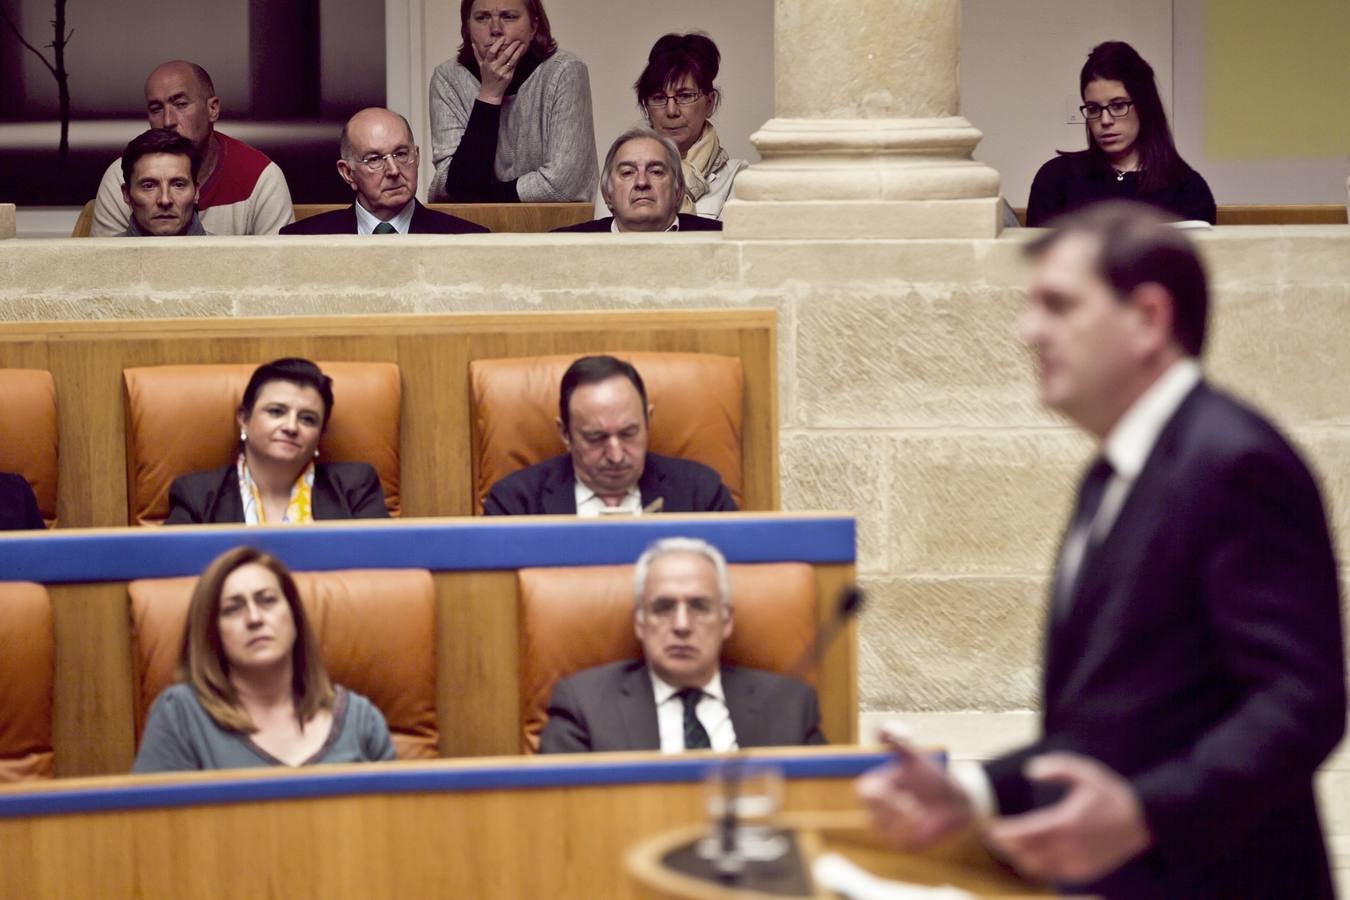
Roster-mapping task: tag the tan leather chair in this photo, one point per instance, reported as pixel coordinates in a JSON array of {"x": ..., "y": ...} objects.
[
  {"x": 26, "y": 673},
  {"x": 28, "y": 433},
  {"x": 376, "y": 628},
  {"x": 697, "y": 399},
  {"x": 180, "y": 419},
  {"x": 575, "y": 618}
]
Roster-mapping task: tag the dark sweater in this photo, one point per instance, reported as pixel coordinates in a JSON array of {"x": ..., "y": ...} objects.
[{"x": 1074, "y": 180}]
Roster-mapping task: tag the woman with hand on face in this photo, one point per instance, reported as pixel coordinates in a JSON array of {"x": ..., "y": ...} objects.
[
  {"x": 1130, "y": 154},
  {"x": 252, "y": 689},
  {"x": 275, "y": 479},
  {"x": 677, "y": 94},
  {"x": 511, "y": 113}
]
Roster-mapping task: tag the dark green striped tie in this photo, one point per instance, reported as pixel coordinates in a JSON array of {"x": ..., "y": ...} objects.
[
  {"x": 385, "y": 228},
  {"x": 695, "y": 735}
]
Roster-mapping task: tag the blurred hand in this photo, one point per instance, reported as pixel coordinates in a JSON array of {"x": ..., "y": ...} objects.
[
  {"x": 496, "y": 66},
  {"x": 913, "y": 802},
  {"x": 1097, "y": 826}
]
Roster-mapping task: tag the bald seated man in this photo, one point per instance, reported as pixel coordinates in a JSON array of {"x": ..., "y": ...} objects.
[
  {"x": 378, "y": 160},
  {"x": 239, "y": 190}
]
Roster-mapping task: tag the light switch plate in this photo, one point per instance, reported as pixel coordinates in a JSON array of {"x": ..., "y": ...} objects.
[{"x": 1071, "y": 112}]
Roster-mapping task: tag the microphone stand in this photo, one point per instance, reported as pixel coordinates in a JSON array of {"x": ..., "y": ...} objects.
[{"x": 730, "y": 864}]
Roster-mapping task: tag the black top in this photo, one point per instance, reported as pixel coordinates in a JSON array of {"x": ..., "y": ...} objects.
[
  {"x": 424, "y": 221},
  {"x": 343, "y": 490},
  {"x": 472, "y": 176},
  {"x": 18, "y": 506},
  {"x": 1074, "y": 180},
  {"x": 549, "y": 488},
  {"x": 688, "y": 222}
]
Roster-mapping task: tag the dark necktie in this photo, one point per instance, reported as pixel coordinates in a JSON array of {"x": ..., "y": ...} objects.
[
  {"x": 385, "y": 228},
  {"x": 1090, "y": 492},
  {"x": 695, "y": 735}
]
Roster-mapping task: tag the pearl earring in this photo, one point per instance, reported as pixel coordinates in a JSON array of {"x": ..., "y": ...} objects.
[{"x": 243, "y": 435}]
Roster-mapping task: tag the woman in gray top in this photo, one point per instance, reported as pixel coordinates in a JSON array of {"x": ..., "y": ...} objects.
[
  {"x": 511, "y": 113},
  {"x": 252, "y": 688}
]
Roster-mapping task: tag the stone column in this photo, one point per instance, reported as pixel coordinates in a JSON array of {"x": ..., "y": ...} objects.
[{"x": 866, "y": 140}]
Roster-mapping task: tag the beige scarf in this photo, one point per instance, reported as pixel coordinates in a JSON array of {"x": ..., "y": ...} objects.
[{"x": 704, "y": 158}]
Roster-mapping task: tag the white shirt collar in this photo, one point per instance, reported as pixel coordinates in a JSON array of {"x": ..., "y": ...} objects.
[
  {"x": 1128, "y": 445},
  {"x": 589, "y": 502},
  {"x": 664, "y": 691},
  {"x": 366, "y": 220}
]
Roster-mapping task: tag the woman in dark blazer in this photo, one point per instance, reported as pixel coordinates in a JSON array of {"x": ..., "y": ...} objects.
[
  {"x": 275, "y": 477},
  {"x": 1130, "y": 153}
]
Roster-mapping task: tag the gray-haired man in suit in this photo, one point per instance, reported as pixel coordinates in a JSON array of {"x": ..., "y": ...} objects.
[{"x": 680, "y": 696}]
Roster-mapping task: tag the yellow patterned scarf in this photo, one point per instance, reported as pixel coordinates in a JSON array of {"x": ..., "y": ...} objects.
[
  {"x": 299, "y": 510},
  {"x": 701, "y": 161}
]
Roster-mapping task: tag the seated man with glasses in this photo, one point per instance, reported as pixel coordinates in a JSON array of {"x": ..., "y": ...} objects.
[
  {"x": 379, "y": 162},
  {"x": 680, "y": 696}
]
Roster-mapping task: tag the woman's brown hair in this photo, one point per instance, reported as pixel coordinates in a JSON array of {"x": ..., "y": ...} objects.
[
  {"x": 543, "y": 46},
  {"x": 202, "y": 663}
]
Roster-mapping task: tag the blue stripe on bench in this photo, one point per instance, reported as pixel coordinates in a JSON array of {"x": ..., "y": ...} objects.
[
  {"x": 437, "y": 544},
  {"x": 403, "y": 778}
]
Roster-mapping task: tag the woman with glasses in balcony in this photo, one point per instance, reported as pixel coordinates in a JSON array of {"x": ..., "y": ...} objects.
[
  {"x": 677, "y": 94},
  {"x": 1130, "y": 154},
  {"x": 511, "y": 113}
]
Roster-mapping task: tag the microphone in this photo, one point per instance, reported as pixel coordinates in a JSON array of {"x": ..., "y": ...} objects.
[
  {"x": 849, "y": 603},
  {"x": 729, "y": 863}
]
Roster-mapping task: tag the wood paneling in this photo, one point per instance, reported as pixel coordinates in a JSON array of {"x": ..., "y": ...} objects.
[
  {"x": 1265, "y": 214},
  {"x": 522, "y": 842},
  {"x": 433, "y": 351},
  {"x": 496, "y": 217}
]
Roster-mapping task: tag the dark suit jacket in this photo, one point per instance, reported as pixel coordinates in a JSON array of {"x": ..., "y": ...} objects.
[
  {"x": 612, "y": 707},
  {"x": 424, "y": 221},
  {"x": 18, "y": 506},
  {"x": 549, "y": 488},
  {"x": 1201, "y": 658},
  {"x": 345, "y": 490},
  {"x": 688, "y": 222}
]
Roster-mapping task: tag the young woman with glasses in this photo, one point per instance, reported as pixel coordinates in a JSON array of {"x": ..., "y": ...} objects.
[{"x": 1130, "y": 154}]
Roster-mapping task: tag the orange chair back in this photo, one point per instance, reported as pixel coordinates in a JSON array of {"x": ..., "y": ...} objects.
[
  {"x": 578, "y": 617},
  {"x": 376, "y": 629},
  {"x": 697, "y": 400},
  {"x": 28, "y": 433},
  {"x": 181, "y": 419},
  {"x": 27, "y": 656}
]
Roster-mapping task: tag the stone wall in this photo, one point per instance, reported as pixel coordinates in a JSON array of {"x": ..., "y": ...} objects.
[{"x": 904, "y": 396}]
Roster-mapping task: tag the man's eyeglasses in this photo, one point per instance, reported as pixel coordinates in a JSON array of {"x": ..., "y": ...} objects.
[
  {"x": 1117, "y": 109},
  {"x": 681, "y": 98},
  {"x": 375, "y": 162},
  {"x": 698, "y": 610}
]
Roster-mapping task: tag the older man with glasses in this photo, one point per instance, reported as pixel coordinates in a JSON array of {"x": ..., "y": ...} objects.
[
  {"x": 680, "y": 696},
  {"x": 378, "y": 161}
]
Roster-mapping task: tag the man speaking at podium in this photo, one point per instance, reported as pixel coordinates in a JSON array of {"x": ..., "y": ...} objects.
[
  {"x": 680, "y": 696},
  {"x": 1194, "y": 671}
]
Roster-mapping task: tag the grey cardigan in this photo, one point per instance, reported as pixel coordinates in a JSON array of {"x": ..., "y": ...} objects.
[{"x": 546, "y": 138}]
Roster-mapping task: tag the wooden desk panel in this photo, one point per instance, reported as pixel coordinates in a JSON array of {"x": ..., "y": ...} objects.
[{"x": 543, "y": 827}]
